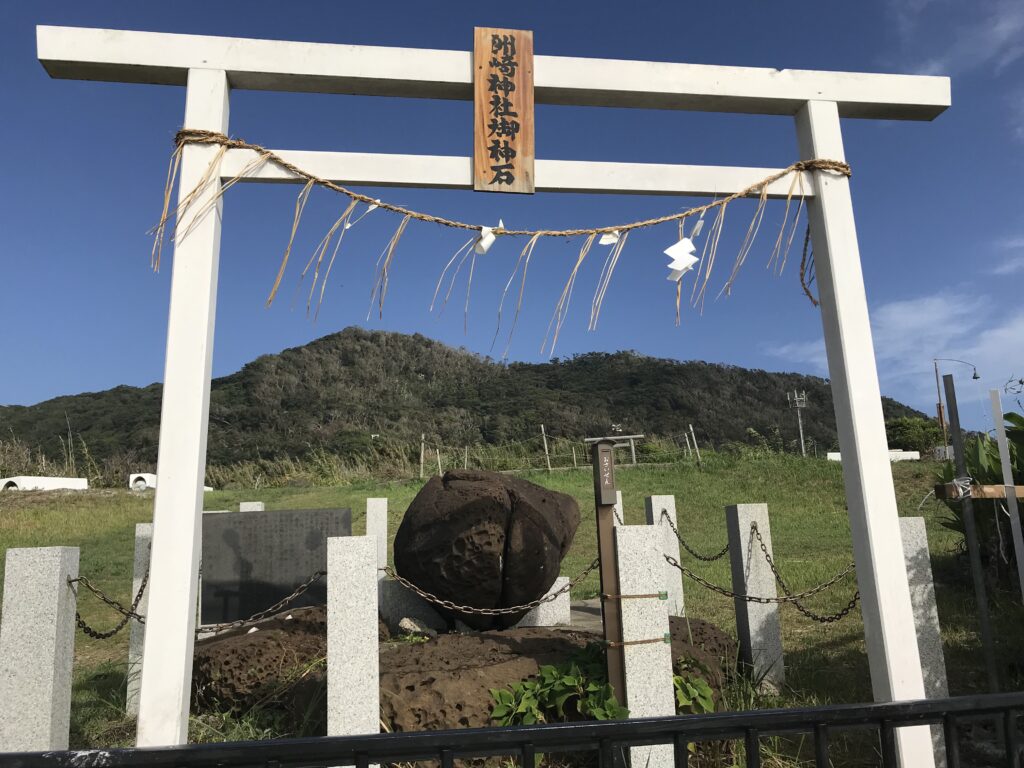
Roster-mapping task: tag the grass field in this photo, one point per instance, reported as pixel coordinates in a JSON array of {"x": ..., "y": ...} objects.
[{"x": 810, "y": 533}]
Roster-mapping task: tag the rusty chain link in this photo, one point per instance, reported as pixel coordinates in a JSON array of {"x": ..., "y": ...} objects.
[
  {"x": 277, "y": 607},
  {"x": 795, "y": 599},
  {"x": 705, "y": 558},
  {"x": 127, "y": 614},
  {"x": 788, "y": 597},
  {"x": 468, "y": 609}
]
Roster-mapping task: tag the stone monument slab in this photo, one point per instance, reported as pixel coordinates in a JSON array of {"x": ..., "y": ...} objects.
[{"x": 253, "y": 559}]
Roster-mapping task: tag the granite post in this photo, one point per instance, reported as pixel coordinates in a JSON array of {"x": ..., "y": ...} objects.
[
  {"x": 926, "y": 621},
  {"x": 353, "y": 664},
  {"x": 37, "y": 648},
  {"x": 551, "y": 614},
  {"x": 377, "y": 525},
  {"x": 137, "y": 636},
  {"x": 648, "y": 666},
  {"x": 661, "y": 511},
  {"x": 758, "y": 626},
  {"x": 619, "y": 516}
]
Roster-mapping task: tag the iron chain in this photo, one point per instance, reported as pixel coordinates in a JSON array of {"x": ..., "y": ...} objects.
[
  {"x": 127, "y": 614},
  {"x": 468, "y": 609},
  {"x": 277, "y": 607},
  {"x": 795, "y": 599},
  {"x": 705, "y": 558}
]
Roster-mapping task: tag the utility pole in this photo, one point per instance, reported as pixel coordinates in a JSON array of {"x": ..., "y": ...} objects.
[
  {"x": 971, "y": 535},
  {"x": 799, "y": 402},
  {"x": 423, "y": 452},
  {"x": 938, "y": 410},
  {"x": 547, "y": 456}
]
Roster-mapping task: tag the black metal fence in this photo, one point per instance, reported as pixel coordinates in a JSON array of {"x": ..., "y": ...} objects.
[{"x": 609, "y": 740}]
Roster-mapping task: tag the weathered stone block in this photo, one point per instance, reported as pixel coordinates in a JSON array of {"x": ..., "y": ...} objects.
[
  {"x": 137, "y": 637},
  {"x": 661, "y": 512},
  {"x": 758, "y": 626},
  {"x": 251, "y": 560},
  {"x": 37, "y": 648},
  {"x": 353, "y": 664},
  {"x": 926, "y": 620},
  {"x": 648, "y": 666},
  {"x": 552, "y": 614}
]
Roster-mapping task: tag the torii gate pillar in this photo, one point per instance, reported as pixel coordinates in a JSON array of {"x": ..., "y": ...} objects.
[
  {"x": 889, "y": 630},
  {"x": 165, "y": 692}
]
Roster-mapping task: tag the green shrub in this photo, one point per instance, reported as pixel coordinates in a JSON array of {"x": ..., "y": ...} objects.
[{"x": 577, "y": 689}]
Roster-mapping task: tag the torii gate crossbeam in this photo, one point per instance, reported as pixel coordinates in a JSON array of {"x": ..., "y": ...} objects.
[{"x": 210, "y": 66}]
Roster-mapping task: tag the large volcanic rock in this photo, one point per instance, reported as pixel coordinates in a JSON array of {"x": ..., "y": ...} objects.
[{"x": 485, "y": 539}]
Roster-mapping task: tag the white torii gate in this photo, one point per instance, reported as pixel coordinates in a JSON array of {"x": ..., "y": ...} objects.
[{"x": 210, "y": 66}]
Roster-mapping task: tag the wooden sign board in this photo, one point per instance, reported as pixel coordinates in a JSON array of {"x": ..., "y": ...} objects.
[
  {"x": 502, "y": 110},
  {"x": 603, "y": 458}
]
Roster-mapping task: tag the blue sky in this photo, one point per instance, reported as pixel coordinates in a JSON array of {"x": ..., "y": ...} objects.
[{"x": 938, "y": 204}]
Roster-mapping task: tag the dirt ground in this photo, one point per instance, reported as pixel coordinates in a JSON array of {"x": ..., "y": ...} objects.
[{"x": 425, "y": 684}]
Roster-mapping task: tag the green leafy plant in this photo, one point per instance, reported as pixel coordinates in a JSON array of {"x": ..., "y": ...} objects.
[
  {"x": 577, "y": 689},
  {"x": 693, "y": 694}
]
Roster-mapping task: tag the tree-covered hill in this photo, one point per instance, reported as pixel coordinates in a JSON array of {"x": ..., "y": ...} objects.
[{"x": 338, "y": 390}]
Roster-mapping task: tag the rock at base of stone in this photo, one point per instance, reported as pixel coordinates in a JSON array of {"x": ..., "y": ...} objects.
[
  {"x": 485, "y": 539},
  {"x": 412, "y": 627}
]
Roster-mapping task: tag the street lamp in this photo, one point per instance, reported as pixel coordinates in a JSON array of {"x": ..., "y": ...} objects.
[{"x": 938, "y": 391}]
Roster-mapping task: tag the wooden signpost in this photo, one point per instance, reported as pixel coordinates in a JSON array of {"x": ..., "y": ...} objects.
[
  {"x": 502, "y": 110},
  {"x": 602, "y": 455}
]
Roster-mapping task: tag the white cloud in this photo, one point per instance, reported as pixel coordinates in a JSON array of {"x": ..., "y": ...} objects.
[
  {"x": 1015, "y": 261},
  {"x": 986, "y": 34},
  {"x": 908, "y": 333},
  {"x": 1010, "y": 266},
  {"x": 804, "y": 353}
]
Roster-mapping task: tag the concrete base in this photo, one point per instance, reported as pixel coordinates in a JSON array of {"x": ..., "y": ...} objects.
[
  {"x": 251, "y": 506},
  {"x": 33, "y": 483}
]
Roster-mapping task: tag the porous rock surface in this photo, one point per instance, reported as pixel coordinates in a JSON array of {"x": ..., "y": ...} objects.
[{"x": 485, "y": 539}]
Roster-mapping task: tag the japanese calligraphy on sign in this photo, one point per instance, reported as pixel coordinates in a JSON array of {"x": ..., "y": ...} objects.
[
  {"x": 502, "y": 110},
  {"x": 603, "y": 456}
]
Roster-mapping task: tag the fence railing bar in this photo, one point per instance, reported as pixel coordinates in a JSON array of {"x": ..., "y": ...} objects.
[
  {"x": 821, "y": 746},
  {"x": 753, "y": 745},
  {"x": 887, "y": 735},
  {"x": 1010, "y": 738},
  {"x": 606, "y": 754},
  {"x": 682, "y": 751},
  {"x": 951, "y": 735},
  {"x": 528, "y": 755},
  {"x": 553, "y": 737},
  {"x": 447, "y": 758},
  {"x": 362, "y": 761}
]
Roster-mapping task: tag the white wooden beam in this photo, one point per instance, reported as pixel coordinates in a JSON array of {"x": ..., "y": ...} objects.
[
  {"x": 166, "y": 689},
  {"x": 277, "y": 65},
  {"x": 438, "y": 171},
  {"x": 888, "y": 614}
]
